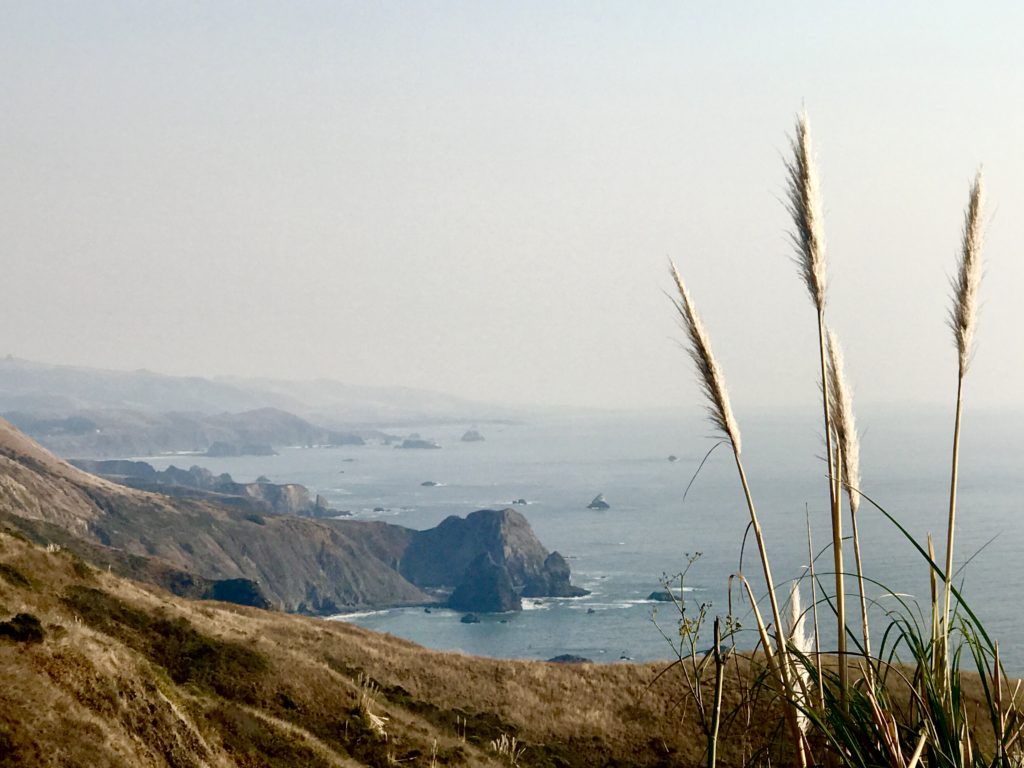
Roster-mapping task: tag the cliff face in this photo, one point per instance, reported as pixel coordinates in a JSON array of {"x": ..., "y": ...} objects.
[
  {"x": 300, "y": 564},
  {"x": 200, "y": 483},
  {"x": 439, "y": 557}
]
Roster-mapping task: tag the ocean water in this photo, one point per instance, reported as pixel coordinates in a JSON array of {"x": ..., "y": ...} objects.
[{"x": 621, "y": 554}]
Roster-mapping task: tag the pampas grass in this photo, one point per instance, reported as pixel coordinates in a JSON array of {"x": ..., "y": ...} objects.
[
  {"x": 808, "y": 238},
  {"x": 901, "y": 711},
  {"x": 712, "y": 382},
  {"x": 804, "y": 205},
  {"x": 963, "y": 318},
  {"x": 844, "y": 423},
  {"x": 709, "y": 374}
]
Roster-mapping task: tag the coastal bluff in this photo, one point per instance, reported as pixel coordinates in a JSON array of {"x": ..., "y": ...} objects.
[{"x": 296, "y": 564}]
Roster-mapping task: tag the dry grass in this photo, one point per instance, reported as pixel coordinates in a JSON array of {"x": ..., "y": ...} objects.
[{"x": 130, "y": 675}]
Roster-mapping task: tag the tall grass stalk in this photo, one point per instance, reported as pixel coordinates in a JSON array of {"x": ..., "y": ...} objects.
[
  {"x": 712, "y": 382},
  {"x": 916, "y": 703},
  {"x": 963, "y": 318},
  {"x": 808, "y": 238},
  {"x": 814, "y": 605},
  {"x": 845, "y": 424},
  {"x": 716, "y": 711}
]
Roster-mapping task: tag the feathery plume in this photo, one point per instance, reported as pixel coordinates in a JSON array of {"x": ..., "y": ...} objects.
[
  {"x": 797, "y": 634},
  {"x": 801, "y": 643},
  {"x": 963, "y": 316},
  {"x": 710, "y": 375},
  {"x": 843, "y": 421},
  {"x": 804, "y": 205}
]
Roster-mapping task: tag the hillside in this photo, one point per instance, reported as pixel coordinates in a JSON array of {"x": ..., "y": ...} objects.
[
  {"x": 300, "y": 564},
  {"x": 100, "y": 671},
  {"x": 118, "y": 433}
]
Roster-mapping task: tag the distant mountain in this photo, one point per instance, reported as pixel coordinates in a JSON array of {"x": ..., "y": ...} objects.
[
  {"x": 110, "y": 433},
  {"x": 39, "y": 387},
  {"x": 61, "y": 390}
]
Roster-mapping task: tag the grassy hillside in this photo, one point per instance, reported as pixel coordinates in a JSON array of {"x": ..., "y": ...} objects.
[{"x": 100, "y": 671}]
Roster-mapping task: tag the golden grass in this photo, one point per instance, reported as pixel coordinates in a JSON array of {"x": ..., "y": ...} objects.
[{"x": 102, "y": 690}]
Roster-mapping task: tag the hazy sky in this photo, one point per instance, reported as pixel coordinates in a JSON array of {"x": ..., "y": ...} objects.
[{"x": 481, "y": 197}]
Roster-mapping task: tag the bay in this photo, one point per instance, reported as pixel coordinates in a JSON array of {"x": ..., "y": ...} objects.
[{"x": 559, "y": 463}]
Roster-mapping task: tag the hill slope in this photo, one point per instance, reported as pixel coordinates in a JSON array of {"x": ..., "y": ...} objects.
[
  {"x": 98, "y": 671},
  {"x": 300, "y": 564}
]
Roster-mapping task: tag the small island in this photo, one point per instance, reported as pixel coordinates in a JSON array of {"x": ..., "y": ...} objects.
[{"x": 416, "y": 443}]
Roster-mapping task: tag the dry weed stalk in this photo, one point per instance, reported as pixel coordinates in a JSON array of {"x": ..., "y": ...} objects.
[{"x": 508, "y": 747}]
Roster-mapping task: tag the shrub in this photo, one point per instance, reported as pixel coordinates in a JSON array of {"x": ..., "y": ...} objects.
[
  {"x": 23, "y": 628},
  {"x": 188, "y": 656}
]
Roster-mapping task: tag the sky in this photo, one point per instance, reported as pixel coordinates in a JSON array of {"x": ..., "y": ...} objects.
[{"x": 482, "y": 198}]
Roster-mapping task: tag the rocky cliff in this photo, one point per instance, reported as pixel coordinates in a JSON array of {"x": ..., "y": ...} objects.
[
  {"x": 262, "y": 496},
  {"x": 441, "y": 557},
  {"x": 299, "y": 564}
]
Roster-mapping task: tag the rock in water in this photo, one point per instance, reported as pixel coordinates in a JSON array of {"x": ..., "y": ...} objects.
[
  {"x": 440, "y": 558},
  {"x": 553, "y": 580},
  {"x": 472, "y": 436},
  {"x": 418, "y": 443},
  {"x": 661, "y": 596},
  {"x": 599, "y": 503},
  {"x": 470, "y": 618},
  {"x": 673, "y": 457},
  {"x": 570, "y": 658},
  {"x": 486, "y": 587}
]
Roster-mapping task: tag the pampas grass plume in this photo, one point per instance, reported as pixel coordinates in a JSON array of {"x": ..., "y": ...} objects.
[
  {"x": 709, "y": 373},
  {"x": 843, "y": 420},
  {"x": 964, "y": 314},
  {"x": 803, "y": 200}
]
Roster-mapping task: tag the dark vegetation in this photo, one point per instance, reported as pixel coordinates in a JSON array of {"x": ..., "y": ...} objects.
[
  {"x": 188, "y": 656},
  {"x": 23, "y": 628}
]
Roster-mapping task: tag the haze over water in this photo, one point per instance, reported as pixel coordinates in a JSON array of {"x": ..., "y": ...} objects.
[{"x": 559, "y": 465}]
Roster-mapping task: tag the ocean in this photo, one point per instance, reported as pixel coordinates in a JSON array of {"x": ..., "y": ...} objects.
[{"x": 622, "y": 554}]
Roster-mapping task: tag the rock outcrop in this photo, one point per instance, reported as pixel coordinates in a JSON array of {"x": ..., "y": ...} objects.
[
  {"x": 486, "y": 587},
  {"x": 445, "y": 557},
  {"x": 553, "y": 580},
  {"x": 417, "y": 443},
  {"x": 471, "y": 436}
]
